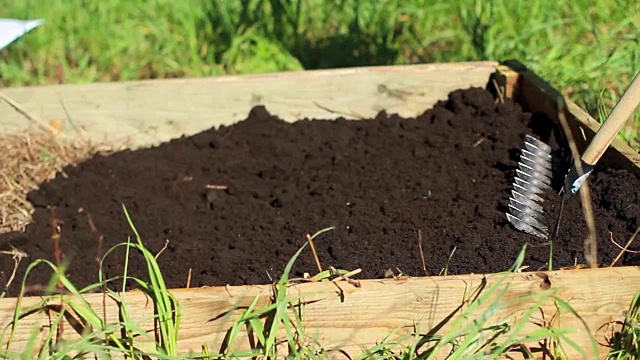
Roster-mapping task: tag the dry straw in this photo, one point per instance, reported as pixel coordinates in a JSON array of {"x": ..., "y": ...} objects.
[{"x": 30, "y": 158}]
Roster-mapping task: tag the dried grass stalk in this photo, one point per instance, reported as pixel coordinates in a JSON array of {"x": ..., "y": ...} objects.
[{"x": 27, "y": 160}]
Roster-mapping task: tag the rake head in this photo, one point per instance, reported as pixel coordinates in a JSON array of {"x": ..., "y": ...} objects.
[{"x": 533, "y": 177}]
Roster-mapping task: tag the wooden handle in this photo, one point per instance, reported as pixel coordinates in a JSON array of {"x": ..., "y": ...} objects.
[{"x": 616, "y": 120}]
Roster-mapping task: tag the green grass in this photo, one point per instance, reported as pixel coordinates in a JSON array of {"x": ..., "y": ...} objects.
[
  {"x": 588, "y": 49},
  {"x": 627, "y": 344},
  {"x": 277, "y": 328}
]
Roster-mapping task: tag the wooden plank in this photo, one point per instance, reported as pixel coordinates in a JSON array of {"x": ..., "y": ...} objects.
[
  {"x": 377, "y": 308},
  {"x": 144, "y": 113}
]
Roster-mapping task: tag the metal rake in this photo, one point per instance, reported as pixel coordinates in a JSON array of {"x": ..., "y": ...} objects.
[{"x": 533, "y": 177}]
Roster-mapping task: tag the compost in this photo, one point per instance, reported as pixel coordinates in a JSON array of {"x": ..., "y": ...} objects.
[{"x": 232, "y": 205}]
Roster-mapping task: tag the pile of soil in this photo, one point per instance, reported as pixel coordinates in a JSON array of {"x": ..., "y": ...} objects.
[{"x": 447, "y": 172}]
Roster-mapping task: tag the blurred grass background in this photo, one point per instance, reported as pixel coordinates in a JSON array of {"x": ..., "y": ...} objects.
[{"x": 588, "y": 49}]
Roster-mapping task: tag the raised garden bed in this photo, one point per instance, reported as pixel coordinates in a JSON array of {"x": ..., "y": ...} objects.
[{"x": 235, "y": 202}]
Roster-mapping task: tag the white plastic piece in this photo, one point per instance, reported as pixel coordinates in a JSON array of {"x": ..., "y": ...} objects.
[{"x": 13, "y": 29}]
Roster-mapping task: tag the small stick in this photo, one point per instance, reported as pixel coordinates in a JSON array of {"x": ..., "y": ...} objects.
[
  {"x": 73, "y": 125},
  {"x": 315, "y": 254},
  {"x": 347, "y": 277},
  {"x": 584, "y": 136},
  {"x": 227, "y": 287},
  {"x": 28, "y": 115},
  {"x": 424, "y": 263},
  {"x": 633, "y": 237},
  {"x": 590, "y": 244},
  {"x": 217, "y": 187},
  {"x": 17, "y": 257},
  {"x": 166, "y": 243},
  {"x": 94, "y": 229},
  {"x": 189, "y": 279},
  {"x": 56, "y": 236},
  {"x": 478, "y": 142}
]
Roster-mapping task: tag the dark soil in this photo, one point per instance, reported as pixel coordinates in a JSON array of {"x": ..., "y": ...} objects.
[{"x": 447, "y": 172}]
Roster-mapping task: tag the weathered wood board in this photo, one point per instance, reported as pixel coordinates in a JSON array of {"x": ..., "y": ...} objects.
[
  {"x": 144, "y": 113},
  {"x": 378, "y": 307}
]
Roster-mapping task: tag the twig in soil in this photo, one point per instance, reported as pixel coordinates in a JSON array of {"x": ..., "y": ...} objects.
[
  {"x": 347, "y": 277},
  {"x": 575, "y": 266},
  {"x": 56, "y": 236},
  {"x": 424, "y": 263},
  {"x": 389, "y": 274},
  {"x": 227, "y": 287},
  {"x": 166, "y": 243},
  {"x": 590, "y": 244},
  {"x": 189, "y": 279},
  {"x": 217, "y": 187},
  {"x": 584, "y": 136},
  {"x": 17, "y": 256},
  {"x": 31, "y": 117},
  {"x": 98, "y": 257},
  {"x": 626, "y": 246},
  {"x": 344, "y": 277},
  {"x": 401, "y": 275},
  {"x": 326, "y": 275},
  {"x": 315, "y": 253},
  {"x": 478, "y": 142},
  {"x": 93, "y": 228}
]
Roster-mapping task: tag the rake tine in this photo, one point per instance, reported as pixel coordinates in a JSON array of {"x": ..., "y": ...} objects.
[{"x": 533, "y": 177}]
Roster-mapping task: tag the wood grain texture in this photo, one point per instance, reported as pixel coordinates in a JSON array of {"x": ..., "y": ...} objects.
[
  {"x": 378, "y": 307},
  {"x": 146, "y": 113}
]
